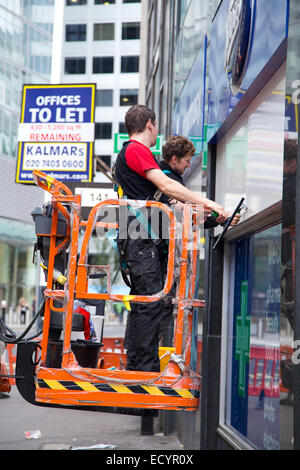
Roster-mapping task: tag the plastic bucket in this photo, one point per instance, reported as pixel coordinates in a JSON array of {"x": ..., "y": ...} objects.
[{"x": 86, "y": 353}]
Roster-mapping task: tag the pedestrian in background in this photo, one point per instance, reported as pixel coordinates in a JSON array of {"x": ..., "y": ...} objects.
[{"x": 22, "y": 309}]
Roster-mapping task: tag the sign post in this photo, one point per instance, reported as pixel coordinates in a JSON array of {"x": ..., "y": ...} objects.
[{"x": 56, "y": 132}]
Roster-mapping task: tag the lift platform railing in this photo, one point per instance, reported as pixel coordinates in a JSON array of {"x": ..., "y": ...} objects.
[{"x": 180, "y": 384}]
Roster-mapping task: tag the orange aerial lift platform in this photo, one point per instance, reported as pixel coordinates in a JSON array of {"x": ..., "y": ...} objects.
[{"x": 78, "y": 373}]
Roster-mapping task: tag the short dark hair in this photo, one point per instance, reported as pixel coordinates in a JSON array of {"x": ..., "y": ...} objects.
[
  {"x": 179, "y": 146},
  {"x": 137, "y": 117}
]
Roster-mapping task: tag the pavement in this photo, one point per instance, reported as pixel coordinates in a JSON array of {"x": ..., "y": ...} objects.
[{"x": 24, "y": 426}]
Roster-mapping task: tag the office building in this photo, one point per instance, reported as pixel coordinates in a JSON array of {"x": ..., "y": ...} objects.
[
  {"x": 101, "y": 44},
  {"x": 26, "y": 28}
]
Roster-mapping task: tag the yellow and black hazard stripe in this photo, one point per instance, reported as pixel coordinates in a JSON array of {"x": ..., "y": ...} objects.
[{"x": 105, "y": 387}]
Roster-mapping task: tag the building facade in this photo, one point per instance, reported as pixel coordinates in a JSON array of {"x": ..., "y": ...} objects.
[
  {"x": 232, "y": 86},
  {"x": 176, "y": 36},
  {"x": 26, "y": 29},
  {"x": 101, "y": 44},
  {"x": 98, "y": 42}
]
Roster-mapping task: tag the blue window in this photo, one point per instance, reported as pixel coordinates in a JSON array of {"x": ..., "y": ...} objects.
[{"x": 253, "y": 348}]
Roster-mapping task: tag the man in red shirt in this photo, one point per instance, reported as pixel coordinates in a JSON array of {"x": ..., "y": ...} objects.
[{"x": 139, "y": 177}]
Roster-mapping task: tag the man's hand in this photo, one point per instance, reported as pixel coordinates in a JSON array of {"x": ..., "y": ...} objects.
[
  {"x": 235, "y": 220},
  {"x": 222, "y": 213}
]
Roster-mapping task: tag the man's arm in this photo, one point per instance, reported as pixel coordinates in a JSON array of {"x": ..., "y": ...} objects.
[{"x": 179, "y": 192}]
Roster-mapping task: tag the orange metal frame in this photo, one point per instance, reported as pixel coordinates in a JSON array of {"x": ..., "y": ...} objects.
[{"x": 176, "y": 387}]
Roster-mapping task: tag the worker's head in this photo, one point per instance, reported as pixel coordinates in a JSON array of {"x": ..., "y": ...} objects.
[
  {"x": 178, "y": 152},
  {"x": 141, "y": 119}
]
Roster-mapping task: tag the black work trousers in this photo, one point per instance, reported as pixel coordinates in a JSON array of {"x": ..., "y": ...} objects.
[{"x": 146, "y": 261}]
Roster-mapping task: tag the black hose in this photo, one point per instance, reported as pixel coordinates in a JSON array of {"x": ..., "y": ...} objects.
[{"x": 9, "y": 336}]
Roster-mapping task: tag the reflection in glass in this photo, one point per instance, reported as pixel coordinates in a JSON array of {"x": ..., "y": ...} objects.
[
  {"x": 253, "y": 387},
  {"x": 259, "y": 374},
  {"x": 250, "y": 156},
  {"x": 289, "y": 321},
  {"x": 192, "y": 27}
]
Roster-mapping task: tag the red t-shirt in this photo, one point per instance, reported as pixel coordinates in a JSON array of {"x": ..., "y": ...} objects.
[{"x": 140, "y": 158}]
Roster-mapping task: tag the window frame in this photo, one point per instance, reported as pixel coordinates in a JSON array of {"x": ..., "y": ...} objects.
[
  {"x": 98, "y": 92},
  {"x": 127, "y": 57},
  {"x": 126, "y": 27},
  {"x": 103, "y": 58},
  {"x": 260, "y": 222},
  {"x": 83, "y": 59},
  {"x": 70, "y": 3},
  {"x": 122, "y": 125},
  {"x": 102, "y": 2},
  {"x": 97, "y": 124},
  {"x": 78, "y": 32},
  {"x": 135, "y": 95},
  {"x": 104, "y": 24},
  {"x": 103, "y": 157}
]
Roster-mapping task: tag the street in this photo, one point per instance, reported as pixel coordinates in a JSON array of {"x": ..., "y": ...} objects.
[{"x": 28, "y": 427}]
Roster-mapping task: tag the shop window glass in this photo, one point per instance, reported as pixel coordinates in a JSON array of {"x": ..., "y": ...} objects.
[
  {"x": 253, "y": 390},
  {"x": 259, "y": 373},
  {"x": 184, "y": 4},
  {"x": 5, "y": 263},
  {"x": 17, "y": 276},
  {"x": 252, "y": 372},
  {"x": 250, "y": 156},
  {"x": 269, "y": 375}
]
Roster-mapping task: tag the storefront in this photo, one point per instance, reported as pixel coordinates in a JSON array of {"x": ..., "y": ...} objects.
[
  {"x": 17, "y": 271},
  {"x": 248, "y": 401}
]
